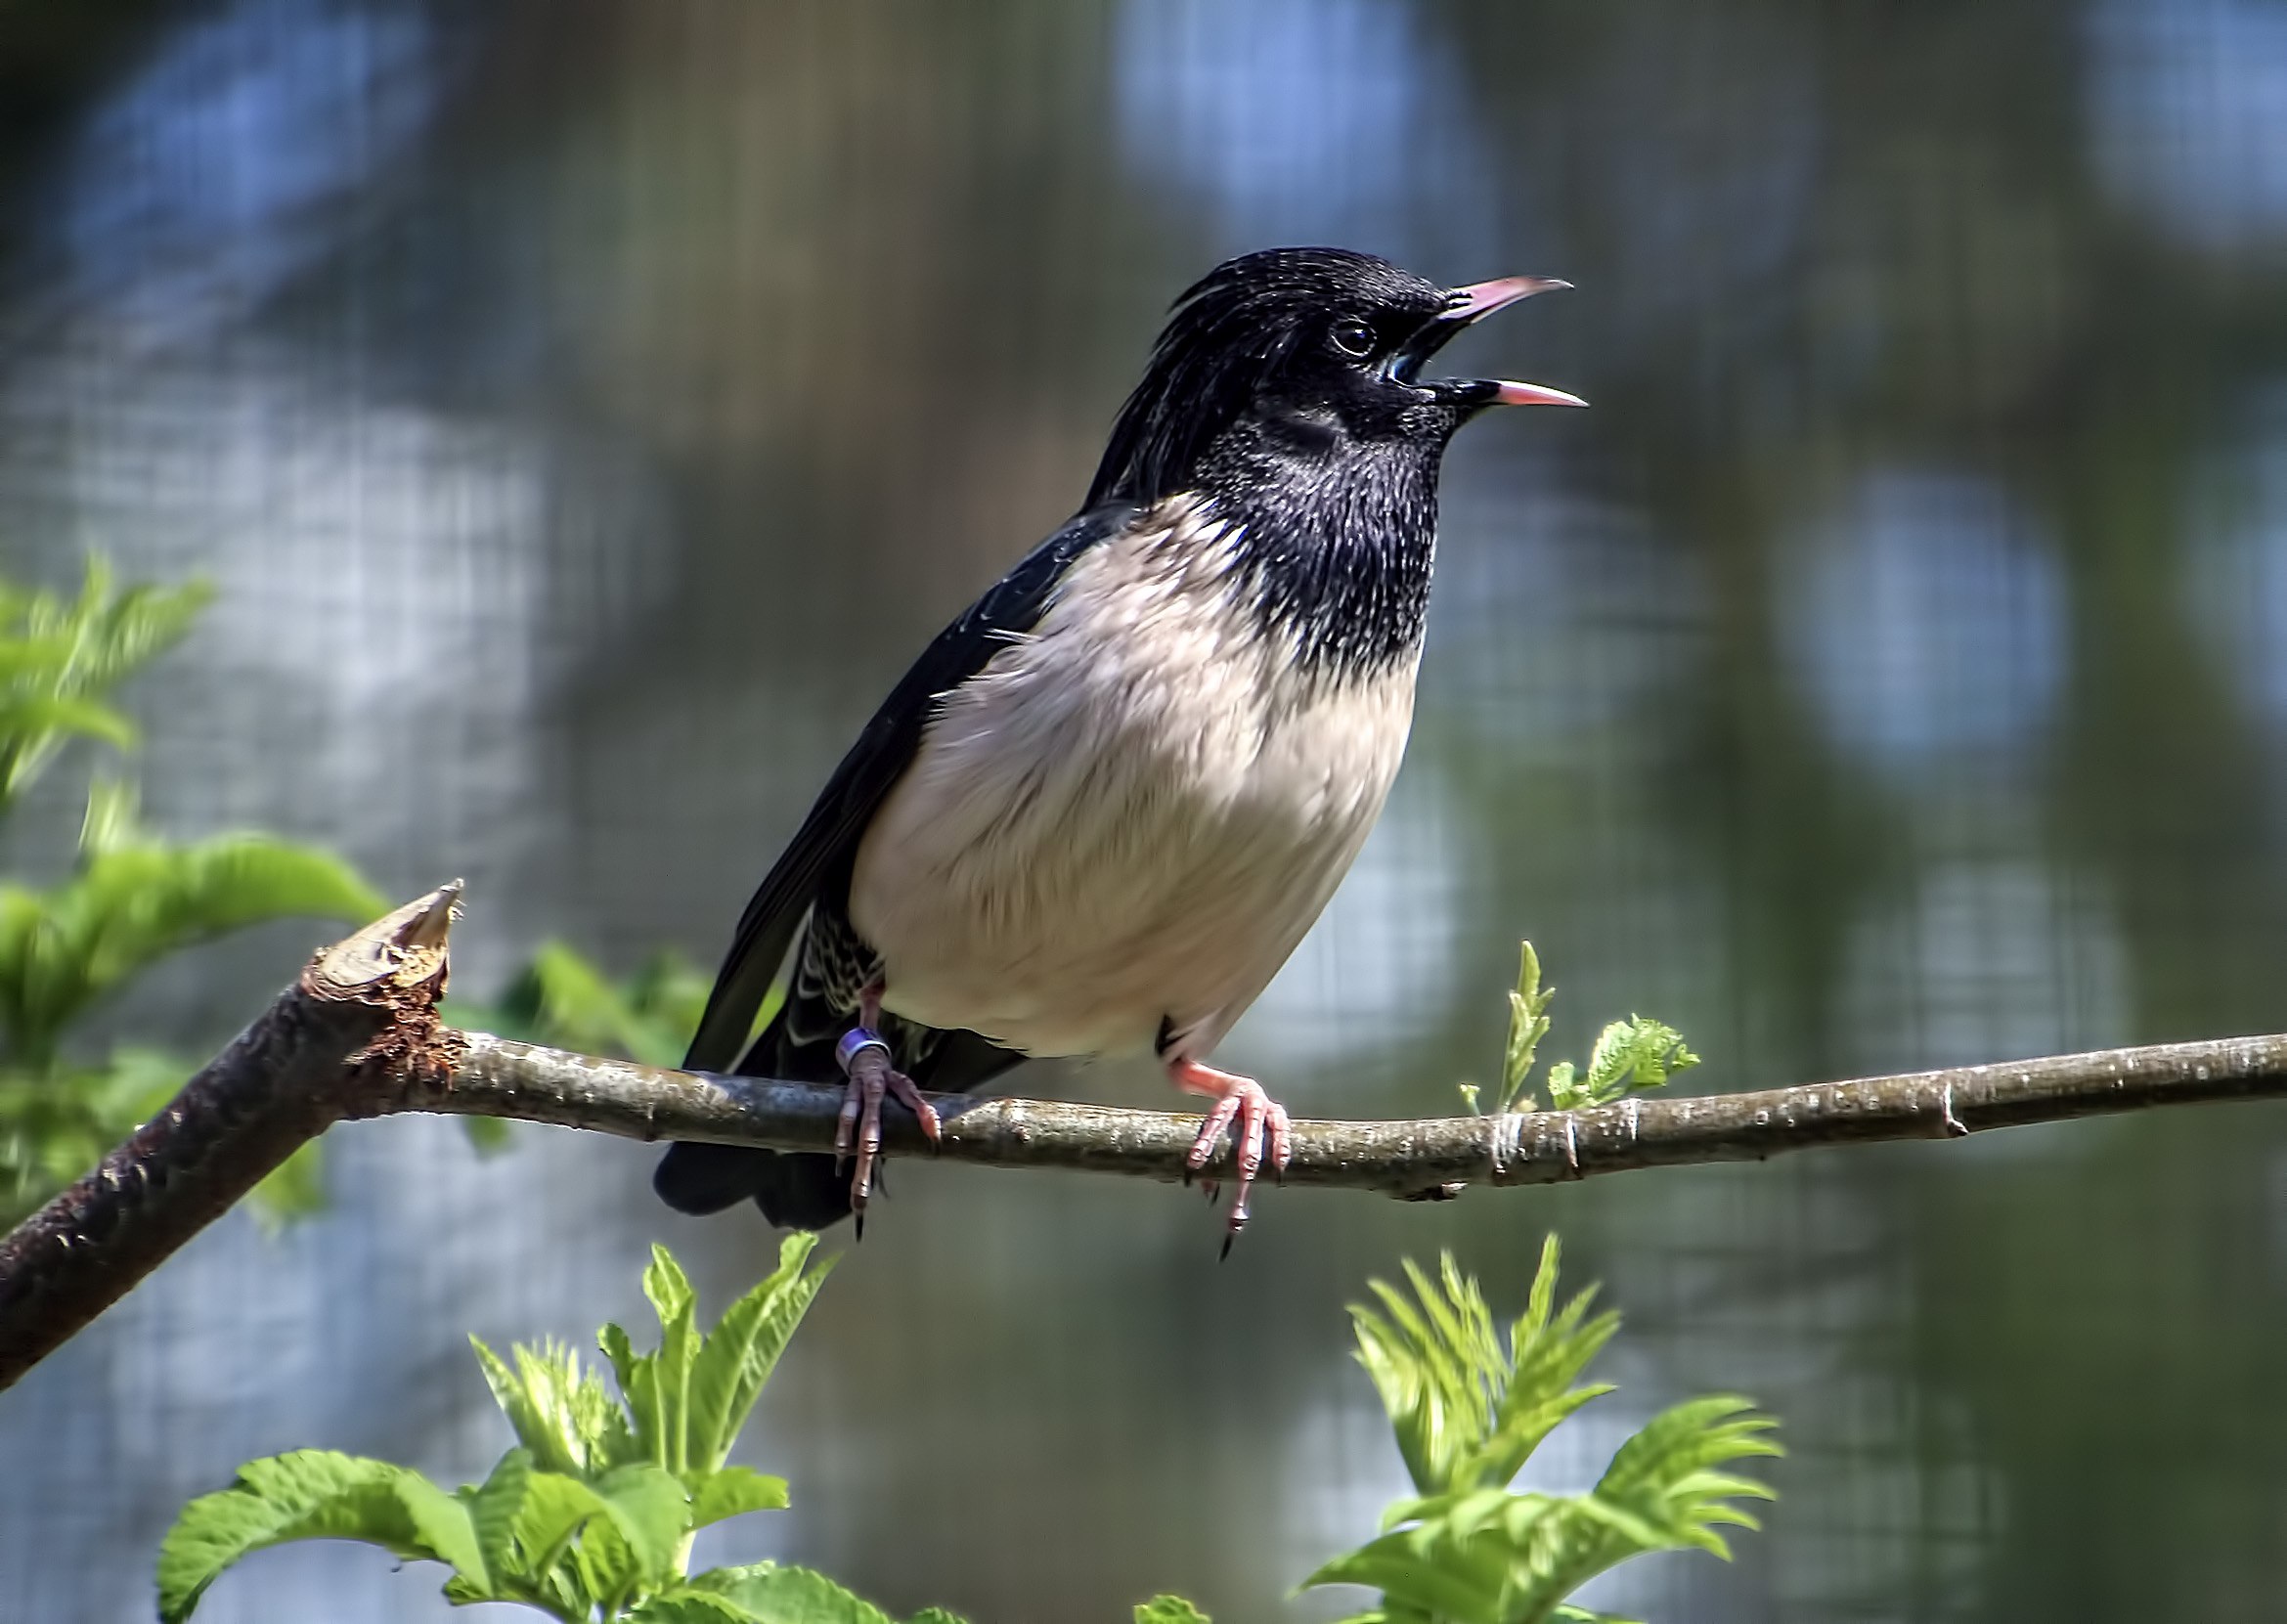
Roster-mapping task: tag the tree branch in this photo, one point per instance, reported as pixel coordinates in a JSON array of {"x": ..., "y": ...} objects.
[
  {"x": 358, "y": 1036},
  {"x": 1430, "y": 1157},
  {"x": 361, "y": 1015}
]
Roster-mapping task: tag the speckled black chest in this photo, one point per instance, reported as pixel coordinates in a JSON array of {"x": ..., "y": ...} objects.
[{"x": 1336, "y": 540}]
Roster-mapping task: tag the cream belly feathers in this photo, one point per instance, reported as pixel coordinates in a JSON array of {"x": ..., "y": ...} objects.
[{"x": 1127, "y": 821}]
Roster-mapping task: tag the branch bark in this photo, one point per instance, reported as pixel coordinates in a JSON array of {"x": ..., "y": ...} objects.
[
  {"x": 361, "y": 1015},
  {"x": 357, "y": 1035},
  {"x": 1425, "y": 1158}
]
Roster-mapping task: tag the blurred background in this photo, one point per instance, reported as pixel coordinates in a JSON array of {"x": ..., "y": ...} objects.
[{"x": 584, "y": 407}]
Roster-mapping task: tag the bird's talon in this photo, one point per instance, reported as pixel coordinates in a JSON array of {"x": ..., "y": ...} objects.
[
  {"x": 1252, "y": 1116},
  {"x": 901, "y": 1086},
  {"x": 1235, "y": 1223},
  {"x": 866, "y": 1059}
]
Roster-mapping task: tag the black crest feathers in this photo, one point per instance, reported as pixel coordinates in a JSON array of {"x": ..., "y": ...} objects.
[{"x": 1230, "y": 335}]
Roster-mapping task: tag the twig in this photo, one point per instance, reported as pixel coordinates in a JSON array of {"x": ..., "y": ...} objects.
[{"x": 358, "y": 1036}]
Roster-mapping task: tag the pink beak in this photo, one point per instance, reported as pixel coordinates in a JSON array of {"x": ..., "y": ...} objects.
[
  {"x": 1481, "y": 299},
  {"x": 1532, "y": 394}
]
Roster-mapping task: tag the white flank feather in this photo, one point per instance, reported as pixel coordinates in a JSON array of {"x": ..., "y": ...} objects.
[{"x": 1133, "y": 814}]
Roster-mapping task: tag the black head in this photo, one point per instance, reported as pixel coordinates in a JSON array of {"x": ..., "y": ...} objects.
[{"x": 1312, "y": 352}]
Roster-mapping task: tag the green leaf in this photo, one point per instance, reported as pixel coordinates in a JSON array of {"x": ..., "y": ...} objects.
[
  {"x": 651, "y": 1511},
  {"x": 524, "y": 1416},
  {"x": 562, "y": 999},
  {"x": 731, "y": 1581},
  {"x": 730, "y": 1370},
  {"x": 1428, "y": 1571},
  {"x": 733, "y": 1491},
  {"x": 133, "y": 900},
  {"x": 770, "y": 1593},
  {"x": 34, "y": 714},
  {"x": 684, "y": 1604},
  {"x": 554, "y": 1511},
  {"x": 56, "y": 1123},
  {"x": 443, "y": 1522},
  {"x": 1549, "y": 1348},
  {"x": 1468, "y": 1411},
  {"x": 309, "y": 1494},
  {"x": 579, "y": 1519},
  {"x": 626, "y": 1363},
  {"x": 60, "y": 660},
  {"x": 1168, "y": 1609},
  {"x": 775, "y": 1595},
  {"x": 494, "y": 1508},
  {"x": 610, "y": 1568},
  {"x": 1629, "y": 1057},
  {"x": 561, "y": 1412},
  {"x": 1664, "y": 1476},
  {"x": 1529, "y": 1024},
  {"x": 112, "y": 818},
  {"x": 660, "y": 1401},
  {"x": 25, "y": 659}
]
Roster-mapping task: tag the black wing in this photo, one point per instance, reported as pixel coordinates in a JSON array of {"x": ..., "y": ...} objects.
[{"x": 828, "y": 839}]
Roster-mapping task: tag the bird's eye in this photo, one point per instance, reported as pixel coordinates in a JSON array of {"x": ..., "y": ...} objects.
[{"x": 1352, "y": 337}]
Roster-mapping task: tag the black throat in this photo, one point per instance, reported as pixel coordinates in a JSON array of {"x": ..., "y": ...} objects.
[{"x": 1337, "y": 536}]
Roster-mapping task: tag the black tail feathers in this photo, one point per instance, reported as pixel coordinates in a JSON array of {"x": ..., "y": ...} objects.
[
  {"x": 795, "y": 1191},
  {"x": 699, "y": 1179}
]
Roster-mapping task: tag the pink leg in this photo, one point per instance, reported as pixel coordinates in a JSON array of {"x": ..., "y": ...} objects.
[
  {"x": 1241, "y": 1100},
  {"x": 872, "y": 1076}
]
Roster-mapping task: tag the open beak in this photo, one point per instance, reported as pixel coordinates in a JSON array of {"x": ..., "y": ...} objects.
[{"x": 1470, "y": 304}]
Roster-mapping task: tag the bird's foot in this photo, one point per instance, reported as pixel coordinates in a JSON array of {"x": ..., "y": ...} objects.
[
  {"x": 865, "y": 1061},
  {"x": 1241, "y": 1101}
]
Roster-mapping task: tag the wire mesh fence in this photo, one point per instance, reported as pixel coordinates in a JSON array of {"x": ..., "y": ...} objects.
[{"x": 584, "y": 408}]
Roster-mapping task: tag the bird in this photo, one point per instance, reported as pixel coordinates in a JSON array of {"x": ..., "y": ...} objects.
[{"x": 1106, "y": 802}]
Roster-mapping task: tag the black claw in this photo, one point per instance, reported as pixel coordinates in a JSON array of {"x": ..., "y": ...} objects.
[
  {"x": 1229, "y": 1235},
  {"x": 1187, "y": 1172},
  {"x": 861, "y": 1224}
]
